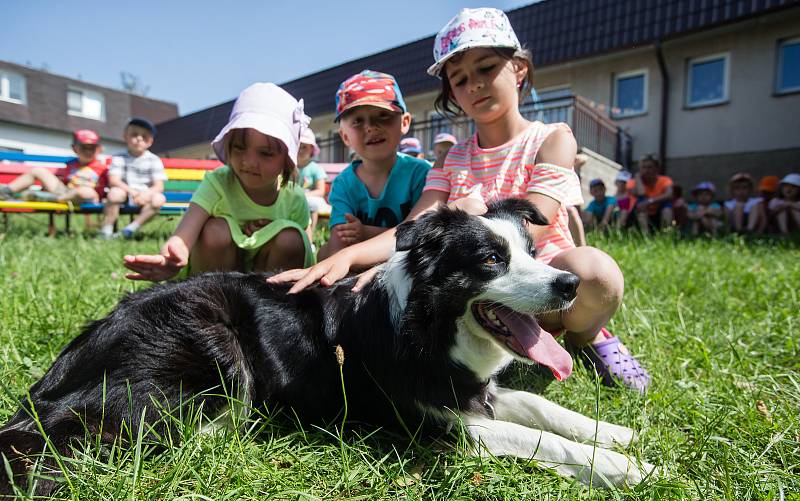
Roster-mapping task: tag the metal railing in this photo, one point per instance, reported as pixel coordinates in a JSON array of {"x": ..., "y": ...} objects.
[{"x": 592, "y": 129}]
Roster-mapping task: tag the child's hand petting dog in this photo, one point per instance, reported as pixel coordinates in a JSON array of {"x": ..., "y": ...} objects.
[
  {"x": 174, "y": 256},
  {"x": 350, "y": 232}
]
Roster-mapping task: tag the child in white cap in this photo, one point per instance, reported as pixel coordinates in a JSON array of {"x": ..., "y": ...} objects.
[
  {"x": 312, "y": 177},
  {"x": 785, "y": 208},
  {"x": 248, "y": 214},
  {"x": 625, "y": 201},
  {"x": 442, "y": 144},
  {"x": 485, "y": 72}
]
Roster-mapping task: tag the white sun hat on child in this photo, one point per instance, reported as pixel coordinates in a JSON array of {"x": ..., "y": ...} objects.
[
  {"x": 484, "y": 27},
  {"x": 308, "y": 137},
  {"x": 270, "y": 110},
  {"x": 793, "y": 178}
]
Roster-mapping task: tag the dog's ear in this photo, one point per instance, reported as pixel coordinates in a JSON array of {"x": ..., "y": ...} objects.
[
  {"x": 517, "y": 207},
  {"x": 405, "y": 235},
  {"x": 427, "y": 228}
]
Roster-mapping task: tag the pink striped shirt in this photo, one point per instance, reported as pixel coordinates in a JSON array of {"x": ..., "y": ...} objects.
[{"x": 509, "y": 171}]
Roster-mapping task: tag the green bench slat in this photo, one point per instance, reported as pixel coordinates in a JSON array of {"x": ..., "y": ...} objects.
[{"x": 181, "y": 185}]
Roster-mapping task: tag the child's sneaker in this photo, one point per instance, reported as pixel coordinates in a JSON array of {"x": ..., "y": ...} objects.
[
  {"x": 5, "y": 192},
  {"x": 128, "y": 233}
]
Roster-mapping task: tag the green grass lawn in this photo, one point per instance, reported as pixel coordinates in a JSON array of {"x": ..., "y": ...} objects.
[{"x": 715, "y": 322}]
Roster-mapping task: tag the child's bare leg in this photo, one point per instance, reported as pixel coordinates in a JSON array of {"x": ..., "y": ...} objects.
[
  {"x": 783, "y": 222},
  {"x": 599, "y": 294},
  {"x": 737, "y": 217},
  {"x": 116, "y": 197},
  {"x": 49, "y": 181},
  {"x": 666, "y": 217},
  {"x": 284, "y": 252},
  {"x": 215, "y": 249},
  {"x": 149, "y": 210},
  {"x": 312, "y": 225},
  {"x": 757, "y": 219},
  {"x": 81, "y": 194},
  {"x": 622, "y": 220},
  {"x": 644, "y": 221},
  {"x": 794, "y": 216}
]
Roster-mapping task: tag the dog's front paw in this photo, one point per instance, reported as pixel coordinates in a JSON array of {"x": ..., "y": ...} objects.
[
  {"x": 610, "y": 434},
  {"x": 638, "y": 471}
]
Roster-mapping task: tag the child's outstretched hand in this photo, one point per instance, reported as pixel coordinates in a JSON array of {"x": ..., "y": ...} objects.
[
  {"x": 174, "y": 256},
  {"x": 350, "y": 232}
]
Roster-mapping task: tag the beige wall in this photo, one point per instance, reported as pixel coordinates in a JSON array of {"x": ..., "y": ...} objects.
[{"x": 753, "y": 119}]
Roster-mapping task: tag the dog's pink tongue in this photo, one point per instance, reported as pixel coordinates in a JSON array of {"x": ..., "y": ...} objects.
[{"x": 539, "y": 345}]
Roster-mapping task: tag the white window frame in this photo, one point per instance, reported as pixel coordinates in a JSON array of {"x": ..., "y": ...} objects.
[
  {"x": 726, "y": 79},
  {"x": 85, "y": 93},
  {"x": 5, "y": 87},
  {"x": 779, "y": 69},
  {"x": 645, "y": 93}
]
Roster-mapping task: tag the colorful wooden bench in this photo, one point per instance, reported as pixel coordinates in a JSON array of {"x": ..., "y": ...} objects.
[{"x": 183, "y": 178}]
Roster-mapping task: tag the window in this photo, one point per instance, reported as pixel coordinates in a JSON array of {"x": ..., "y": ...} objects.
[
  {"x": 86, "y": 103},
  {"x": 788, "y": 66},
  {"x": 707, "y": 81},
  {"x": 12, "y": 87},
  {"x": 630, "y": 94}
]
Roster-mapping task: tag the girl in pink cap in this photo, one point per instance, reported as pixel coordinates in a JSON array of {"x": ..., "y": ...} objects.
[
  {"x": 248, "y": 214},
  {"x": 485, "y": 72}
]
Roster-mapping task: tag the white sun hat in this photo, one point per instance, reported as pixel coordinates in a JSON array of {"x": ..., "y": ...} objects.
[
  {"x": 793, "y": 178},
  {"x": 484, "y": 27},
  {"x": 308, "y": 137},
  {"x": 270, "y": 110}
]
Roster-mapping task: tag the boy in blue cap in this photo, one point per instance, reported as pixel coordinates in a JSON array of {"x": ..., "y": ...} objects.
[
  {"x": 704, "y": 213},
  {"x": 136, "y": 177}
]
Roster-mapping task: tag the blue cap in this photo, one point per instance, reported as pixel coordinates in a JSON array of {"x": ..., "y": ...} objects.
[
  {"x": 143, "y": 123},
  {"x": 705, "y": 186},
  {"x": 596, "y": 182}
]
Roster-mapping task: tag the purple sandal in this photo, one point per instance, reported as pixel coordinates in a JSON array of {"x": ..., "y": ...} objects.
[{"x": 612, "y": 361}]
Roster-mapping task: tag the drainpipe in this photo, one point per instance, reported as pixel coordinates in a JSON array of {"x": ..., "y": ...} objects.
[{"x": 662, "y": 133}]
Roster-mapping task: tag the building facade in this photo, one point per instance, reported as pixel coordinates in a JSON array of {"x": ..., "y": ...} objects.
[
  {"x": 39, "y": 111},
  {"x": 712, "y": 88}
]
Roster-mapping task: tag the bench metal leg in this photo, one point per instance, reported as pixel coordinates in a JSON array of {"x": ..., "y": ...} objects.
[{"x": 51, "y": 226}]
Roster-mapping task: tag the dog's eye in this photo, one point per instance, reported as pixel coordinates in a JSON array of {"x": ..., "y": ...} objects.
[{"x": 491, "y": 259}]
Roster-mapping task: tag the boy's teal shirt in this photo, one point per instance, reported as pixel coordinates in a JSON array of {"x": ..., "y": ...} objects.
[{"x": 403, "y": 188}]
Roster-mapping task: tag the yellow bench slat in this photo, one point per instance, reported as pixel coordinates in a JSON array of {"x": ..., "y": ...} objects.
[
  {"x": 34, "y": 205},
  {"x": 185, "y": 174}
]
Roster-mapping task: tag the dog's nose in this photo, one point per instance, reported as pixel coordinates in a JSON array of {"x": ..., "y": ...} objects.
[{"x": 566, "y": 286}]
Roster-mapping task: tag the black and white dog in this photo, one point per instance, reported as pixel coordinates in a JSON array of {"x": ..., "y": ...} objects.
[{"x": 421, "y": 345}]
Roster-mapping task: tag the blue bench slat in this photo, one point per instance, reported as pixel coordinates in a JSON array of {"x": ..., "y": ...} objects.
[
  {"x": 178, "y": 196},
  {"x": 13, "y": 156}
]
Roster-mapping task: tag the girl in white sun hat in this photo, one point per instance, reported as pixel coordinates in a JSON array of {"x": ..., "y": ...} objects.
[
  {"x": 248, "y": 214},
  {"x": 485, "y": 72}
]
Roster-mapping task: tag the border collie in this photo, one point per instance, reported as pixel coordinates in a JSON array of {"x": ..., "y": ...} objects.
[{"x": 421, "y": 344}]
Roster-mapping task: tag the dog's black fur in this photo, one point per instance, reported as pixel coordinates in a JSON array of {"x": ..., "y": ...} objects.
[{"x": 166, "y": 344}]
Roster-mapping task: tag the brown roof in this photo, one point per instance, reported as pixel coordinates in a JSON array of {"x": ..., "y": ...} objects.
[{"x": 556, "y": 30}]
